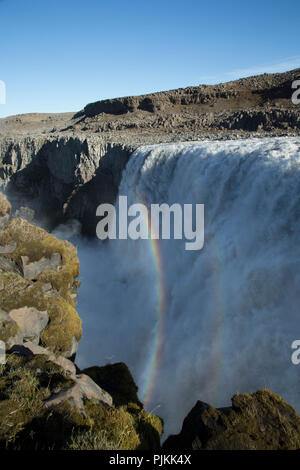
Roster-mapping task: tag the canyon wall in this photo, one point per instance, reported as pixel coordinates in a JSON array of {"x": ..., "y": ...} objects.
[{"x": 70, "y": 176}]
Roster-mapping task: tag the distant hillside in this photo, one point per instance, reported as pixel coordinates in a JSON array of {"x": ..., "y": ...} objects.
[{"x": 256, "y": 104}]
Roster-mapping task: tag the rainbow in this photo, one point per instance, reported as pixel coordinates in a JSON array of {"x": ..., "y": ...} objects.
[
  {"x": 156, "y": 352},
  {"x": 214, "y": 361},
  {"x": 159, "y": 335}
]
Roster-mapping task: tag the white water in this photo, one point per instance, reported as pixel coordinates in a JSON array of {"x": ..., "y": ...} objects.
[{"x": 233, "y": 307}]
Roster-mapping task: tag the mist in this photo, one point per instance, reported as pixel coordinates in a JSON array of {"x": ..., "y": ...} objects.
[{"x": 230, "y": 310}]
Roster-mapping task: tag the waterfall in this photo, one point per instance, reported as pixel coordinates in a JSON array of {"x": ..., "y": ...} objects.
[{"x": 202, "y": 325}]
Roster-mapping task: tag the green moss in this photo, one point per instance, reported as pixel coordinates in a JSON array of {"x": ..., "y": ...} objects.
[
  {"x": 25, "y": 423},
  {"x": 117, "y": 380},
  {"x": 117, "y": 429},
  {"x": 24, "y": 383},
  {"x": 149, "y": 428},
  {"x": 5, "y": 206},
  {"x": 8, "y": 329},
  {"x": 116, "y": 424}
]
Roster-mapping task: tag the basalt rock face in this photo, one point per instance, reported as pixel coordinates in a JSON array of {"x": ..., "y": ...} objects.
[
  {"x": 46, "y": 402},
  {"x": 260, "y": 421},
  {"x": 70, "y": 176}
]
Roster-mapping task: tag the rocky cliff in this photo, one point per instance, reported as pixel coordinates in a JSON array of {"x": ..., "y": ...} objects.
[
  {"x": 46, "y": 402},
  {"x": 70, "y": 176},
  {"x": 73, "y": 163}
]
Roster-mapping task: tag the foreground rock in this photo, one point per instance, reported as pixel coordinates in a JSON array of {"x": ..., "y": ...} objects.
[
  {"x": 45, "y": 401},
  {"x": 37, "y": 286},
  {"x": 83, "y": 389},
  {"x": 44, "y": 405},
  {"x": 260, "y": 421}
]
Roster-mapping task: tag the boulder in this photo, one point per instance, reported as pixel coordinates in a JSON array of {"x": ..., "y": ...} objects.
[
  {"x": 117, "y": 380},
  {"x": 32, "y": 270},
  {"x": 260, "y": 421},
  {"x": 30, "y": 349},
  {"x": 83, "y": 389},
  {"x": 30, "y": 321}
]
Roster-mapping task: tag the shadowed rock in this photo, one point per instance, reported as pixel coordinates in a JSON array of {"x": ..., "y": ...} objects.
[
  {"x": 260, "y": 421},
  {"x": 117, "y": 380}
]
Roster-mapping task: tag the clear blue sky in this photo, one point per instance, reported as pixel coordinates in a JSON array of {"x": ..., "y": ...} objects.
[{"x": 60, "y": 55}]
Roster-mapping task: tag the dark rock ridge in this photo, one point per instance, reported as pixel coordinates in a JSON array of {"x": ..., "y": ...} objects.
[
  {"x": 256, "y": 91},
  {"x": 260, "y": 421}
]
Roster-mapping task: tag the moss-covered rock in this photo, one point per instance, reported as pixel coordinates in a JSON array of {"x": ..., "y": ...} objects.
[
  {"x": 5, "y": 206},
  {"x": 117, "y": 380},
  {"x": 25, "y": 382},
  {"x": 260, "y": 421},
  {"x": 117, "y": 428},
  {"x": 8, "y": 328},
  {"x": 26, "y": 385},
  {"x": 52, "y": 290}
]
